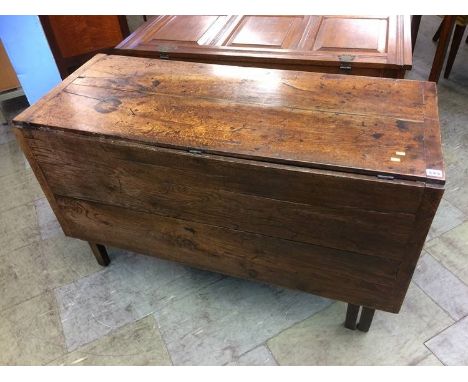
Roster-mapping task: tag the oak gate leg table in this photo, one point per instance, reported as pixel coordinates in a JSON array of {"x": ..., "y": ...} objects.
[{"x": 318, "y": 182}]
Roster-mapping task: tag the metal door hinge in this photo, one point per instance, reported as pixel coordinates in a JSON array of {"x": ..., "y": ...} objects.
[
  {"x": 345, "y": 62},
  {"x": 345, "y": 68},
  {"x": 193, "y": 151},
  {"x": 386, "y": 177}
]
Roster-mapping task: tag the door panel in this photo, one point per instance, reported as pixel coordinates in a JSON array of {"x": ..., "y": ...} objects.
[
  {"x": 187, "y": 30},
  {"x": 337, "y": 33},
  {"x": 280, "y": 32}
]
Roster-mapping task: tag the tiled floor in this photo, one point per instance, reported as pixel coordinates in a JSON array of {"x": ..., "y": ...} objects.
[{"x": 58, "y": 307}]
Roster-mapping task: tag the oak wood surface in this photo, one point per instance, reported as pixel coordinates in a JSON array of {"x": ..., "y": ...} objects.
[
  {"x": 325, "y": 218},
  {"x": 368, "y": 44},
  {"x": 314, "y": 269},
  {"x": 74, "y": 39},
  {"x": 278, "y": 176},
  {"x": 359, "y": 125}
]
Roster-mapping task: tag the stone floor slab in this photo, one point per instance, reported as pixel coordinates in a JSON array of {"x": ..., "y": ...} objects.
[
  {"x": 430, "y": 360},
  {"x": 451, "y": 249},
  {"x": 451, "y": 345},
  {"x": 260, "y": 356},
  {"x": 130, "y": 288},
  {"x": 18, "y": 189},
  {"x": 43, "y": 265},
  {"x": 442, "y": 286},
  {"x": 392, "y": 339},
  {"x": 136, "y": 344},
  {"x": 446, "y": 218},
  {"x": 21, "y": 275},
  {"x": 220, "y": 322},
  {"x": 65, "y": 260},
  {"x": 49, "y": 226},
  {"x": 30, "y": 332},
  {"x": 18, "y": 228}
]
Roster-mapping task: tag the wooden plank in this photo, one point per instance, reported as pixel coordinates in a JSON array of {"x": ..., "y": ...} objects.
[
  {"x": 78, "y": 172},
  {"x": 373, "y": 42},
  {"x": 265, "y": 127},
  {"x": 268, "y": 87},
  {"x": 314, "y": 269},
  {"x": 427, "y": 209},
  {"x": 294, "y": 184},
  {"x": 28, "y": 153}
]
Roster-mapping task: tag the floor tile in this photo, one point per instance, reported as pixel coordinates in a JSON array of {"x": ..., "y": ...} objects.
[
  {"x": 11, "y": 158},
  {"x": 451, "y": 346},
  {"x": 442, "y": 286},
  {"x": 446, "y": 218},
  {"x": 392, "y": 339},
  {"x": 136, "y": 344},
  {"x": 220, "y": 322},
  {"x": 6, "y": 133},
  {"x": 43, "y": 265},
  {"x": 130, "y": 288},
  {"x": 260, "y": 356},
  {"x": 30, "y": 333},
  {"x": 17, "y": 189},
  {"x": 65, "y": 260},
  {"x": 49, "y": 226},
  {"x": 430, "y": 360},
  {"x": 21, "y": 275},
  {"x": 18, "y": 228},
  {"x": 451, "y": 249}
]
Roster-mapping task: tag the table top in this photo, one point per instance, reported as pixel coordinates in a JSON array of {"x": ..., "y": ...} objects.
[
  {"x": 364, "y": 41},
  {"x": 364, "y": 125}
]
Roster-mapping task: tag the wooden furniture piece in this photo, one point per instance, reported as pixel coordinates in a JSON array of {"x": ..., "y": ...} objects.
[
  {"x": 443, "y": 34},
  {"x": 318, "y": 182},
  {"x": 363, "y": 45},
  {"x": 9, "y": 84},
  {"x": 9, "y": 94},
  {"x": 8, "y": 79},
  {"x": 460, "y": 26},
  {"x": 75, "y": 39}
]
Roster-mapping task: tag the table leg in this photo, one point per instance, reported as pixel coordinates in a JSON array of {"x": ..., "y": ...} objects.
[
  {"x": 444, "y": 39},
  {"x": 100, "y": 253},
  {"x": 456, "y": 40},
  {"x": 351, "y": 316},
  {"x": 415, "y": 21},
  {"x": 365, "y": 320}
]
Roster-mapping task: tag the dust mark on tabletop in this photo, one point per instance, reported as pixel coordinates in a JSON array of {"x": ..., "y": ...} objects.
[
  {"x": 107, "y": 105},
  {"x": 377, "y": 135},
  {"x": 402, "y": 125}
]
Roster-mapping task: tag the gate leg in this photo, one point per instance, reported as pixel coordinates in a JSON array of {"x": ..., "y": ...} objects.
[
  {"x": 100, "y": 253},
  {"x": 365, "y": 320},
  {"x": 351, "y": 316}
]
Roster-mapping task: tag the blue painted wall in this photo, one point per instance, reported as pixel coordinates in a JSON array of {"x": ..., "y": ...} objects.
[{"x": 30, "y": 55}]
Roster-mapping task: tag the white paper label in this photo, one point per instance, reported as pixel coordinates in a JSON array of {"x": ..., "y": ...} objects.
[{"x": 434, "y": 173}]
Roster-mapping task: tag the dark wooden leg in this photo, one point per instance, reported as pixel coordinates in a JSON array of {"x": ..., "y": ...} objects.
[
  {"x": 351, "y": 316},
  {"x": 100, "y": 253},
  {"x": 442, "y": 46},
  {"x": 365, "y": 320},
  {"x": 437, "y": 33},
  {"x": 456, "y": 40},
  {"x": 415, "y": 21}
]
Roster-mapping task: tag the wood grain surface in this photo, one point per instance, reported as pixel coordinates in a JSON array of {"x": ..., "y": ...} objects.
[
  {"x": 350, "y": 124},
  {"x": 368, "y": 45},
  {"x": 310, "y": 181}
]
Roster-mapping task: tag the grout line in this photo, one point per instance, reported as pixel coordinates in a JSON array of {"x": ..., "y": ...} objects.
[
  {"x": 272, "y": 355},
  {"x": 443, "y": 364},
  {"x": 301, "y": 321},
  {"x": 434, "y": 301}
]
